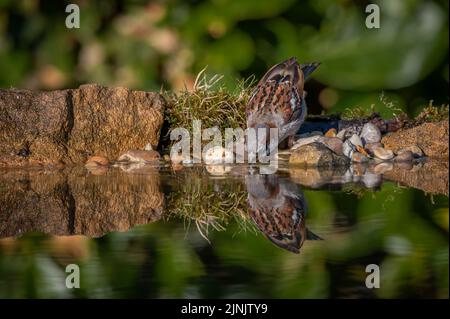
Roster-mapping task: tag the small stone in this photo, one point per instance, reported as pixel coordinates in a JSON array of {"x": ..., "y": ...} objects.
[
  {"x": 218, "y": 170},
  {"x": 370, "y": 133},
  {"x": 370, "y": 146},
  {"x": 333, "y": 143},
  {"x": 371, "y": 180},
  {"x": 218, "y": 155},
  {"x": 316, "y": 155},
  {"x": 382, "y": 153},
  {"x": 348, "y": 148},
  {"x": 407, "y": 166},
  {"x": 414, "y": 149},
  {"x": 331, "y": 132},
  {"x": 139, "y": 156},
  {"x": 383, "y": 168},
  {"x": 356, "y": 140},
  {"x": 341, "y": 134},
  {"x": 148, "y": 147},
  {"x": 310, "y": 134},
  {"x": 405, "y": 156},
  {"x": 166, "y": 157},
  {"x": 305, "y": 141},
  {"x": 359, "y": 158},
  {"x": 95, "y": 161}
]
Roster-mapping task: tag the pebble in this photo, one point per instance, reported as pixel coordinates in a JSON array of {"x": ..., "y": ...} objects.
[
  {"x": 416, "y": 150},
  {"x": 95, "y": 161},
  {"x": 383, "y": 168},
  {"x": 331, "y": 132},
  {"x": 348, "y": 148},
  {"x": 405, "y": 156},
  {"x": 370, "y": 133},
  {"x": 333, "y": 143},
  {"x": 139, "y": 156},
  {"x": 370, "y": 146},
  {"x": 218, "y": 155},
  {"x": 306, "y": 141},
  {"x": 218, "y": 170},
  {"x": 382, "y": 153},
  {"x": 310, "y": 134},
  {"x": 356, "y": 140},
  {"x": 371, "y": 180},
  {"x": 359, "y": 158},
  {"x": 341, "y": 134}
]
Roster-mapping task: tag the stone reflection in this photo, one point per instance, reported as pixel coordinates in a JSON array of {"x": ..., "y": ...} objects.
[
  {"x": 77, "y": 202},
  {"x": 278, "y": 208}
]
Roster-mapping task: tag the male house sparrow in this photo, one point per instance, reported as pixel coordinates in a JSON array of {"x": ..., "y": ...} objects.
[
  {"x": 278, "y": 209},
  {"x": 278, "y": 100}
]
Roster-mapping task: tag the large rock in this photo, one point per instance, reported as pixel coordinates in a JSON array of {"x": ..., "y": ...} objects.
[
  {"x": 316, "y": 155},
  {"x": 68, "y": 126},
  {"x": 432, "y": 138}
]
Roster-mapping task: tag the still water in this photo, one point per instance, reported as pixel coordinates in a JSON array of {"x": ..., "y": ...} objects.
[{"x": 166, "y": 231}]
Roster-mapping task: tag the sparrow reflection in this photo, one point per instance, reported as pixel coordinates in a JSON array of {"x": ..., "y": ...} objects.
[{"x": 278, "y": 208}]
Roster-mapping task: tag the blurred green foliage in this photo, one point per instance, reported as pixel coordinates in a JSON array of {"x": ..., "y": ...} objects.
[{"x": 153, "y": 44}]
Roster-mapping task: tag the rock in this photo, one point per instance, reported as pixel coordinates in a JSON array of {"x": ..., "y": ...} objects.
[
  {"x": 310, "y": 134},
  {"x": 218, "y": 155},
  {"x": 370, "y": 146},
  {"x": 359, "y": 158},
  {"x": 341, "y": 134},
  {"x": 305, "y": 141},
  {"x": 414, "y": 149},
  {"x": 139, "y": 156},
  {"x": 69, "y": 125},
  {"x": 356, "y": 140},
  {"x": 371, "y": 180},
  {"x": 95, "y": 161},
  {"x": 316, "y": 155},
  {"x": 431, "y": 138},
  {"x": 382, "y": 168},
  {"x": 404, "y": 156},
  {"x": 382, "y": 153},
  {"x": 69, "y": 202},
  {"x": 331, "y": 132},
  {"x": 370, "y": 133},
  {"x": 148, "y": 147},
  {"x": 316, "y": 177},
  {"x": 333, "y": 143},
  {"x": 218, "y": 170},
  {"x": 348, "y": 148},
  {"x": 432, "y": 177}
]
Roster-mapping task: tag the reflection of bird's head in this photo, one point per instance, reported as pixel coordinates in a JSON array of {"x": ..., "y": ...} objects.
[{"x": 278, "y": 208}]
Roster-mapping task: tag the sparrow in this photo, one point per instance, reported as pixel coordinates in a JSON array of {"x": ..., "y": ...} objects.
[
  {"x": 278, "y": 208},
  {"x": 278, "y": 101}
]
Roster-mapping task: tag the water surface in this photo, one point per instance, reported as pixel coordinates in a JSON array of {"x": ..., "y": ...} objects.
[{"x": 225, "y": 231}]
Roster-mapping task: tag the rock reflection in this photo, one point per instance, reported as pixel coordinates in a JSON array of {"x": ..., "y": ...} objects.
[
  {"x": 278, "y": 208},
  {"x": 77, "y": 202},
  {"x": 429, "y": 176}
]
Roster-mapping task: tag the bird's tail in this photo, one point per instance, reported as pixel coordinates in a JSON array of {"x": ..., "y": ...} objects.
[{"x": 309, "y": 68}]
